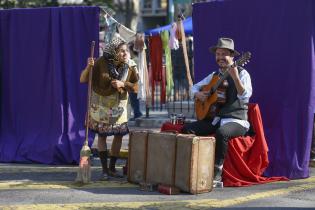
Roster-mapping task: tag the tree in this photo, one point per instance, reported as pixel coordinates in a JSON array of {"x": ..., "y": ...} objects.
[
  {"x": 108, "y": 3},
  {"x": 7, "y": 4},
  {"x": 126, "y": 10}
]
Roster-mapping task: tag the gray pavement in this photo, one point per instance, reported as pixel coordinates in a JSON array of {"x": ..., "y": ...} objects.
[
  {"x": 52, "y": 187},
  {"x": 37, "y": 186}
]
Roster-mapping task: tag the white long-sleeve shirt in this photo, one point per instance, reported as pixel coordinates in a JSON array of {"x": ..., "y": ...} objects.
[{"x": 247, "y": 84}]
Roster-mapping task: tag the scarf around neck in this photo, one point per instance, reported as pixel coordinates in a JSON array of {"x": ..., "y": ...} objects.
[{"x": 117, "y": 69}]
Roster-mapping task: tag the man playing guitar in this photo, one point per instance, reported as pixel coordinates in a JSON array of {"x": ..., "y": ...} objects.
[{"x": 227, "y": 116}]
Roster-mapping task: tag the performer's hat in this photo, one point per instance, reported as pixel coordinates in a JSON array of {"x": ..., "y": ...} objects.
[{"x": 225, "y": 43}]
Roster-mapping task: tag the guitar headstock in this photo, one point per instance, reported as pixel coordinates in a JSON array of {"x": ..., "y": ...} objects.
[{"x": 244, "y": 59}]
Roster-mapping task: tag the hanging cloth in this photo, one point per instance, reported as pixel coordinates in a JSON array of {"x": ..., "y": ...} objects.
[
  {"x": 168, "y": 63},
  {"x": 173, "y": 42},
  {"x": 156, "y": 53},
  {"x": 126, "y": 33},
  {"x": 110, "y": 28},
  {"x": 144, "y": 90},
  {"x": 162, "y": 88},
  {"x": 139, "y": 46}
]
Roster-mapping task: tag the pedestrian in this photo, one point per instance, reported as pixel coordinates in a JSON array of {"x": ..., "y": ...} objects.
[{"x": 133, "y": 96}]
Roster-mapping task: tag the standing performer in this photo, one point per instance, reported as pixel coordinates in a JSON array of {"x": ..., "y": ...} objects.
[
  {"x": 227, "y": 118},
  {"x": 114, "y": 75}
]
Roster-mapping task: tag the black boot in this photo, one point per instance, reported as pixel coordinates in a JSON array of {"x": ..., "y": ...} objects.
[
  {"x": 112, "y": 168},
  {"x": 217, "y": 177},
  {"x": 112, "y": 164},
  {"x": 218, "y": 166},
  {"x": 103, "y": 157}
]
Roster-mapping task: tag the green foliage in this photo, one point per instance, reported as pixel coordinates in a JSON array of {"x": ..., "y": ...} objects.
[
  {"x": 109, "y": 3},
  {"x": 7, "y": 4}
]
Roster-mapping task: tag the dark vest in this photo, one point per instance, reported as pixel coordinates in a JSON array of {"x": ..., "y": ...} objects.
[{"x": 233, "y": 108}]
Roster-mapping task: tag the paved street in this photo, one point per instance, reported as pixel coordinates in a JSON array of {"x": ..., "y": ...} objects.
[
  {"x": 36, "y": 186},
  {"x": 53, "y": 187}
]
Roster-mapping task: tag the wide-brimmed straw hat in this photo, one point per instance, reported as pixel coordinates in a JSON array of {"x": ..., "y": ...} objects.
[{"x": 225, "y": 43}]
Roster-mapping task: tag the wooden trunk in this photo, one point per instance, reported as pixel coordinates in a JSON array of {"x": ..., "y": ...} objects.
[
  {"x": 194, "y": 163},
  {"x": 137, "y": 156},
  {"x": 161, "y": 158}
]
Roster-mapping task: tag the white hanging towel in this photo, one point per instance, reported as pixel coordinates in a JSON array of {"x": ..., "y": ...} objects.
[
  {"x": 144, "y": 90},
  {"x": 173, "y": 42},
  {"x": 126, "y": 33}
]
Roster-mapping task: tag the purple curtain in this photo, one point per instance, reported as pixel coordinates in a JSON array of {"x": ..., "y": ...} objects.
[
  {"x": 43, "y": 52},
  {"x": 280, "y": 35}
]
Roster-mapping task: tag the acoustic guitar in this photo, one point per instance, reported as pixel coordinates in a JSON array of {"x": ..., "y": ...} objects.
[{"x": 207, "y": 108}]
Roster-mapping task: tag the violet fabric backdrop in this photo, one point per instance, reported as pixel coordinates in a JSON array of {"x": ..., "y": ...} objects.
[
  {"x": 43, "y": 52},
  {"x": 280, "y": 35}
]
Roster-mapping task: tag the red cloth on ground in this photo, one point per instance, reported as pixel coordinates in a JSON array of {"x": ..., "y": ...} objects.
[{"x": 246, "y": 158}]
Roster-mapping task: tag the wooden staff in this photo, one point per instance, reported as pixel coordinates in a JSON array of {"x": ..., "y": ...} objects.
[
  {"x": 183, "y": 37},
  {"x": 84, "y": 172}
]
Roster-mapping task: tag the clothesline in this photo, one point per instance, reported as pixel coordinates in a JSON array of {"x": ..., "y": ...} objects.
[
  {"x": 170, "y": 42},
  {"x": 128, "y": 30},
  {"x": 130, "y": 36},
  {"x": 106, "y": 13}
]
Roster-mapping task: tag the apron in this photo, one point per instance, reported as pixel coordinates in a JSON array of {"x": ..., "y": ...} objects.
[{"x": 108, "y": 114}]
